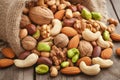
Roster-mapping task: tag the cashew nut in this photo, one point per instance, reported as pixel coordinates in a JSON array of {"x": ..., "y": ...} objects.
[
  {"x": 57, "y": 2},
  {"x": 68, "y": 13},
  {"x": 51, "y": 2},
  {"x": 90, "y": 36},
  {"x": 41, "y": 3},
  {"x": 53, "y": 71},
  {"x": 89, "y": 70},
  {"x": 102, "y": 43},
  {"x": 104, "y": 63},
  {"x": 29, "y": 61},
  {"x": 56, "y": 28},
  {"x": 65, "y": 2}
]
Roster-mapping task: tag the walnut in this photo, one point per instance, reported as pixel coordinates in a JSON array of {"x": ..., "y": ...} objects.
[
  {"x": 45, "y": 31},
  {"x": 41, "y": 15},
  {"x": 80, "y": 25},
  {"x": 58, "y": 55},
  {"x": 85, "y": 48}
]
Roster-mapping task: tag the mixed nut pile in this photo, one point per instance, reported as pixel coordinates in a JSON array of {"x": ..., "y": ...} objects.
[{"x": 60, "y": 36}]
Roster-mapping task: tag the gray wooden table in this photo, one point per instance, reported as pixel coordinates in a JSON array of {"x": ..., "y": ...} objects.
[{"x": 113, "y": 73}]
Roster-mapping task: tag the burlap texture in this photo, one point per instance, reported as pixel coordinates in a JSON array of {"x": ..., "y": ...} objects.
[{"x": 10, "y": 16}]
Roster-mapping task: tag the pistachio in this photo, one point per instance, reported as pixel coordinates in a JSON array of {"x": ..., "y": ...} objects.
[
  {"x": 86, "y": 14},
  {"x": 65, "y": 64},
  {"x": 106, "y": 35},
  {"x": 75, "y": 58},
  {"x": 96, "y": 15},
  {"x": 42, "y": 69},
  {"x": 72, "y": 52},
  {"x": 36, "y": 35},
  {"x": 42, "y": 46}
]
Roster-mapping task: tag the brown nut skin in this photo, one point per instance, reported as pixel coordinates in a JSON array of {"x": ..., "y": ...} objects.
[
  {"x": 24, "y": 54},
  {"x": 23, "y": 33},
  {"x": 96, "y": 51},
  {"x": 118, "y": 51},
  {"x": 73, "y": 8},
  {"x": 31, "y": 28},
  {"x": 41, "y": 15},
  {"x": 24, "y": 21},
  {"x": 69, "y": 22},
  {"x": 6, "y": 62},
  {"x": 113, "y": 21},
  {"x": 44, "y": 60},
  {"x": 29, "y": 43},
  {"x": 61, "y": 40},
  {"x": 80, "y": 7},
  {"x": 86, "y": 59}
]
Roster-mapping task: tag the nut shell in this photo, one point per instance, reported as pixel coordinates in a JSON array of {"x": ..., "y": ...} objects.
[
  {"x": 41, "y": 15},
  {"x": 61, "y": 40},
  {"x": 29, "y": 43},
  {"x": 85, "y": 48}
]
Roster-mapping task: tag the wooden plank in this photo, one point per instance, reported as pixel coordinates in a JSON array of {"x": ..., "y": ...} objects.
[
  {"x": 116, "y": 6},
  {"x": 14, "y": 73},
  {"x": 107, "y": 74}
]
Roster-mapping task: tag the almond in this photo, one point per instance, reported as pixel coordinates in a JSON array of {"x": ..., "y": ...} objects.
[
  {"x": 87, "y": 60},
  {"x": 106, "y": 53},
  {"x": 69, "y": 31},
  {"x": 115, "y": 36},
  {"x": 8, "y": 52},
  {"x": 59, "y": 14},
  {"x": 74, "y": 42},
  {"x": 70, "y": 70},
  {"x": 118, "y": 51},
  {"x": 5, "y": 63}
]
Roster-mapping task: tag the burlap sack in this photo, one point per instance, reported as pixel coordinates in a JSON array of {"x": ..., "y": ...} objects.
[{"x": 10, "y": 16}]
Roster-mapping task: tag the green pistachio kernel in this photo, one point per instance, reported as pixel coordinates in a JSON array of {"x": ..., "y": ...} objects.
[
  {"x": 42, "y": 69},
  {"x": 65, "y": 64},
  {"x": 96, "y": 15},
  {"x": 42, "y": 46},
  {"x": 72, "y": 52},
  {"x": 106, "y": 35},
  {"x": 75, "y": 58},
  {"x": 36, "y": 35},
  {"x": 86, "y": 14}
]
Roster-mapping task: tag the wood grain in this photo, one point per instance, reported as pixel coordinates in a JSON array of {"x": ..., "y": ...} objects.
[{"x": 113, "y": 73}]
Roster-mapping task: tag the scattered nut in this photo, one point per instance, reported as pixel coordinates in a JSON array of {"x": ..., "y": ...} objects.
[
  {"x": 29, "y": 43},
  {"x": 107, "y": 53},
  {"x": 113, "y": 21},
  {"x": 27, "y": 62},
  {"x": 96, "y": 51},
  {"x": 53, "y": 71},
  {"x": 44, "y": 60},
  {"x": 104, "y": 63},
  {"x": 68, "y": 13},
  {"x": 89, "y": 70},
  {"x": 61, "y": 40},
  {"x": 31, "y": 29},
  {"x": 42, "y": 69},
  {"x": 24, "y": 54},
  {"x": 118, "y": 51},
  {"x": 85, "y": 50},
  {"x": 23, "y": 33},
  {"x": 45, "y": 54},
  {"x": 41, "y": 15}
]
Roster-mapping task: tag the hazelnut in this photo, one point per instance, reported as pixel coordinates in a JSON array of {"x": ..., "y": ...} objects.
[
  {"x": 113, "y": 21},
  {"x": 23, "y": 33},
  {"x": 31, "y": 29},
  {"x": 29, "y": 43},
  {"x": 24, "y": 21},
  {"x": 73, "y": 8}
]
